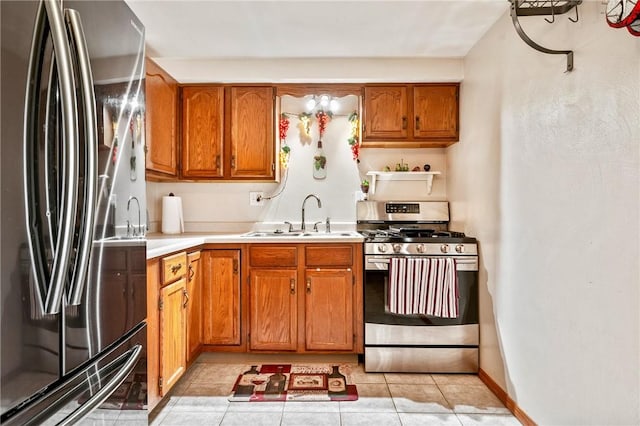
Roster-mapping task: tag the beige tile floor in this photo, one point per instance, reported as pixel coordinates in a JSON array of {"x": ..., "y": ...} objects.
[{"x": 200, "y": 398}]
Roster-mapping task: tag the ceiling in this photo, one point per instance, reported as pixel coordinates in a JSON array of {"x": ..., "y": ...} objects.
[{"x": 315, "y": 29}]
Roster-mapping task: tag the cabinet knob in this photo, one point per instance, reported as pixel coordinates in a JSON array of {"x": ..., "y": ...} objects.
[
  {"x": 233, "y": 162},
  {"x": 308, "y": 285},
  {"x": 292, "y": 286},
  {"x": 417, "y": 122},
  {"x": 404, "y": 123}
]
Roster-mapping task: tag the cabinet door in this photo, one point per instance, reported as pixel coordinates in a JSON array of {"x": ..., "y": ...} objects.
[
  {"x": 221, "y": 297},
  {"x": 194, "y": 306},
  {"x": 435, "y": 111},
  {"x": 173, "y": 302},
  {"x": 273, "y": 309},
  {"x": 252, "y": 132},
  {"x": 161, "y": 94},
  {"x": 329, "y": 309},
  {"x": 202, "y": 131},
  {"x": 385, "y": 112}
]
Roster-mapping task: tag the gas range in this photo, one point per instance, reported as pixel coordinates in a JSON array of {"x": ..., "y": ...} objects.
[{"x": 410, "y": 228}]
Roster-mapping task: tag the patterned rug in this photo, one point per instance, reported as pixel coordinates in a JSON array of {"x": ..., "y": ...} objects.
[{"x": 295, "y": 382}]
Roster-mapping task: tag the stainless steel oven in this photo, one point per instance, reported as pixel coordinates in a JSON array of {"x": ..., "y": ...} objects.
[{"x": 417, "y": 343}]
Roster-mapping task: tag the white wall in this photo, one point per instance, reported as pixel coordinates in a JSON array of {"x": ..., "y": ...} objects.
[
  {"x": 547, "y": 177},
  {"x": 211, "y": 207}
]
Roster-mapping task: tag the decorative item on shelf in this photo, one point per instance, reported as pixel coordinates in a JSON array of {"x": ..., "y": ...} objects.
[
  {"x": 285, "y": 150},
  {"x": 364, "y": 187},
  {"x": 304, "y": 125},
  {"x": 354, "y": 137},
  {"x": 402, "y": 166}
]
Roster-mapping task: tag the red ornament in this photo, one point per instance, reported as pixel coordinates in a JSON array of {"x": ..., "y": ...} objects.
[{"x": 283, "y": 126}]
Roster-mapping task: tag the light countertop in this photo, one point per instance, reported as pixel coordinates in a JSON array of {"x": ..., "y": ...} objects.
[{"x": 161, "y": 244}]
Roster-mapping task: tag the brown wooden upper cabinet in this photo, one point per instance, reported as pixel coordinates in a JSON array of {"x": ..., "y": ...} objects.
[
  {"x": 228, "y": 132},
  {"x": 252, "y": 132},
  {"x": 202, "y": 131},
  {"x": 161, "y": 92},
  {"x": 410, "y": 115}
]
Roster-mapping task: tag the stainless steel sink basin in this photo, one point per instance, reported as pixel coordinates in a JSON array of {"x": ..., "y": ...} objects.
[{"x": 272, "y": 234}]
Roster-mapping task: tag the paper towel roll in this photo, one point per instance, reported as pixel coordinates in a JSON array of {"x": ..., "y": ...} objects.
[{"x": 172, "y": 221}]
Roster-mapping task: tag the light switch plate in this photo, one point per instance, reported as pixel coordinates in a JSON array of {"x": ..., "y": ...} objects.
[{"x": 256, "y": 198}]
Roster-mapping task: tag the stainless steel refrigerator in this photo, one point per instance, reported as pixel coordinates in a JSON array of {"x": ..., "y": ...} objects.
[{"x": 73, "y": 213}]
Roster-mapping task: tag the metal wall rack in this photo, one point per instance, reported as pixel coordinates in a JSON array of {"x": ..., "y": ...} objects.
[{"x": 544, "y": 8}]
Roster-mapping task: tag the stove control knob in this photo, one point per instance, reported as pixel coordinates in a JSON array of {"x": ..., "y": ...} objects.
[
  {"x": 420, "y": 248},
  {"x": 397, "y": 248},
  {"x": 460, "y": 248},
  {"x": 382, "y": 248},
  {"x": 444, "y": 248}
]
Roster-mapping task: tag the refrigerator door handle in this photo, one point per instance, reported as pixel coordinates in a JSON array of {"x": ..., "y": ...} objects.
[
  {"x": 128, "y": 361},
  {"x": 88, "y": 101},
  {"x": 50, "y": 286}
]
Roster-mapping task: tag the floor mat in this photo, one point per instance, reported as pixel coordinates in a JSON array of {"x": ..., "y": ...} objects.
[{"x": 295, "y": 382}]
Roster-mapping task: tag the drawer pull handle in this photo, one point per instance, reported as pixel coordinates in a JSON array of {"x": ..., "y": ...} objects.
[
  {"x": 191, "y": 273},
  {"x": 404, "y": 123},
  {"x": 292, "y": 285},
  {"x": 176, "y": 268},
  {"x": 235, "y": 266},
  {"x": 309, "y": 285},
  {"x": 417, "y": 122}
]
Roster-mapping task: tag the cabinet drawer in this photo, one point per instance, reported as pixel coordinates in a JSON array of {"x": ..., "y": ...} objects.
[
  {"x": 329, "y": 256},
  {"x": 174, "y": 267},
  {"x": 273, "y": 256}
]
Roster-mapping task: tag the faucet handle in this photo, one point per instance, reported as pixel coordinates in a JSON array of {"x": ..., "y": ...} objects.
[
  {"x": 327, "y": 227},
  {"x": 290, "y": 225},
  {"x": 315, "y": 226}
]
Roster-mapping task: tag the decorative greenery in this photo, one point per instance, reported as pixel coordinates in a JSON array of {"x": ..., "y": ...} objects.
[{"x": 354, "y": 139}]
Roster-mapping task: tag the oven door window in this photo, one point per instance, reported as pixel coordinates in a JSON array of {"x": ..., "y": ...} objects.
[{"x": 376, "y": 311}]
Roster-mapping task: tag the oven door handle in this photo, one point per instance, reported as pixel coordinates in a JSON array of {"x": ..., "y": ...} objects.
[{"x": 381, "y": 263}]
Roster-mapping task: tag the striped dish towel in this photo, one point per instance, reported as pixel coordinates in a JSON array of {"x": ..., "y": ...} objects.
[{"x": 426, "y": 286}]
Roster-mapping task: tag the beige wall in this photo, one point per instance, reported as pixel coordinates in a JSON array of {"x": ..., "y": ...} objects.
[{"x": 547, "y": 177}]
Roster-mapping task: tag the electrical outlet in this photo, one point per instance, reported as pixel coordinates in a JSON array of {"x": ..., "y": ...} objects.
[{"x": 256, "y": 198}]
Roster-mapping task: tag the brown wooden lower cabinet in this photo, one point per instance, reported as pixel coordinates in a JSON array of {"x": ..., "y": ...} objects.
[
  {"x": 173, "y": 326},
  {"x": 221, "y": 297},
  {"x": 305, "y": 297},
  {"x": 329, "y": 309},
  {"x": 194, "y": 306},
  {"x": 273, "y": 309}
]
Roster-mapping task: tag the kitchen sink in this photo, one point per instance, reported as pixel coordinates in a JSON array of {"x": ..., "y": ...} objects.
[{"x": 272, "y": 234}]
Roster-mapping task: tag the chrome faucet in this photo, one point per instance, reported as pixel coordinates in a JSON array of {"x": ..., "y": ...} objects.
[
  {"x": 139, "y": 229},
  {"x": 302, "y": 226}
]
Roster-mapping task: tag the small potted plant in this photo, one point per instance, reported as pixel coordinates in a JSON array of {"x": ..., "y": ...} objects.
[{"x": 364, "y": 186}]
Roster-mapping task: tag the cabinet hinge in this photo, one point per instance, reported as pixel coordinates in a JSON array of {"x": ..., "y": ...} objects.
[
  {"x": 160, "y": 304},
  {"x": 160, "y": 382}
]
